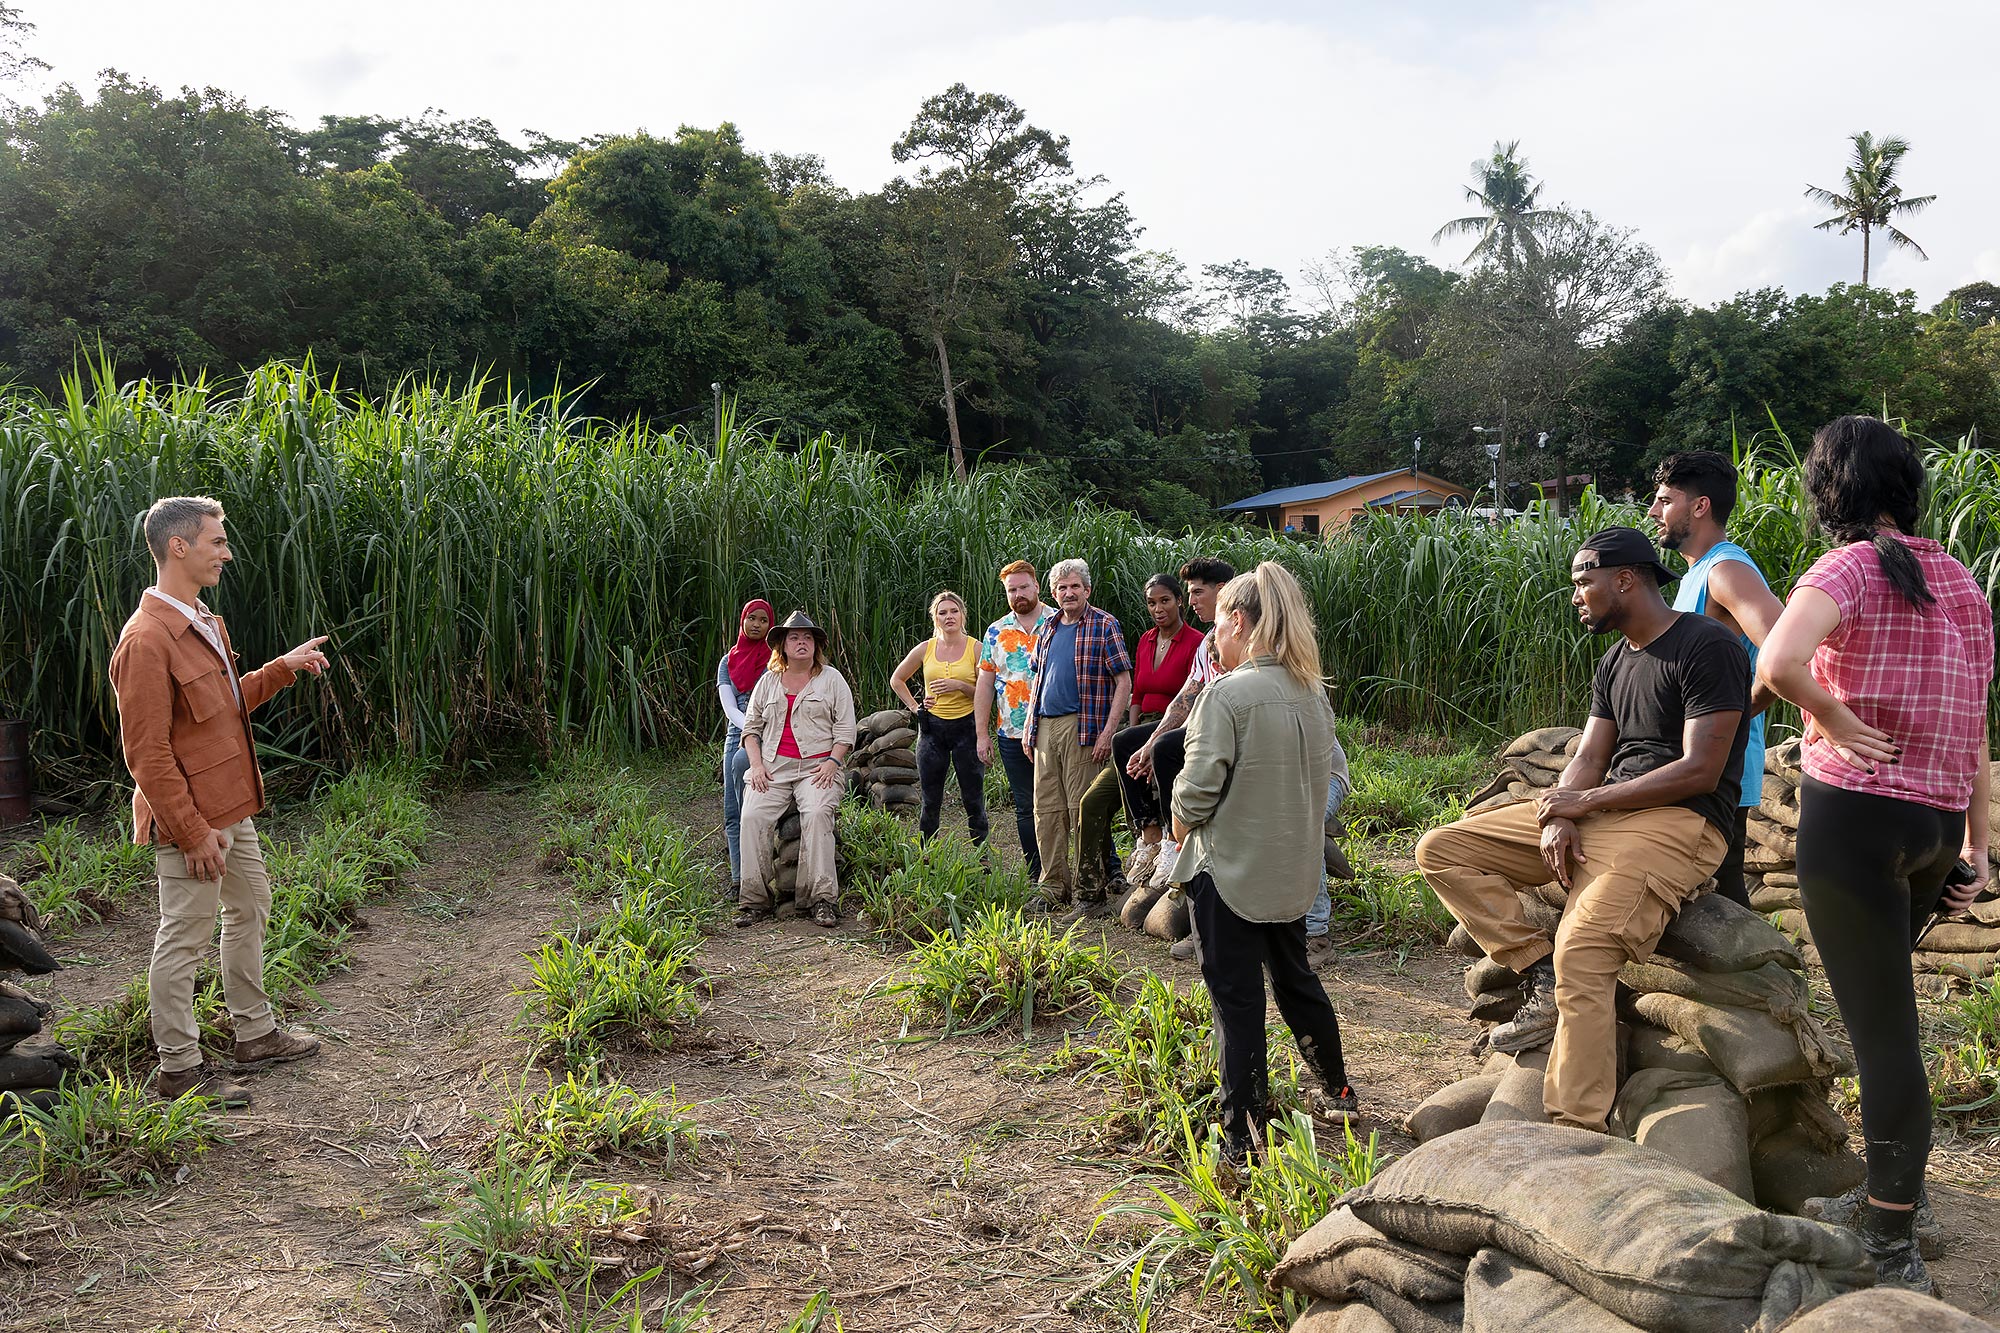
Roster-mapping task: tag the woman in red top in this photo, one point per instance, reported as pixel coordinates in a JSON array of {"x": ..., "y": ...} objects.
[
  {"x": 1159, "y": 669},
  {"x": 1887, "y": 646}
]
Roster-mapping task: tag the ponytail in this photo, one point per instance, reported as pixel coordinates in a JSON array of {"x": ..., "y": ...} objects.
[
  {"x": 1281, "y": 624},
  {"x": 1859, "y": 472}
]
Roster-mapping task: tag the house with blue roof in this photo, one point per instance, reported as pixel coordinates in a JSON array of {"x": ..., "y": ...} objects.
[{"x": 1326, "y": 506}]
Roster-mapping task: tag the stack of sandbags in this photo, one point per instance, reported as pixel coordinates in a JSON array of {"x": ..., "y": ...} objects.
[
  {"x": 1531, "y": 762},
  {"x": 1509, "y": 1227},
  {"x": 1963, "y": 948},
  {"x": 883, "y": 763},
  {"x": 1722, "y": 1065},
  {"x": 1887, "y": 1310},
  {"x": 30, "y": 1072}
]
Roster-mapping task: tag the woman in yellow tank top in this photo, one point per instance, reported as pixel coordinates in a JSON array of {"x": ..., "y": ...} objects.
[{"x": 949, "y": 736}]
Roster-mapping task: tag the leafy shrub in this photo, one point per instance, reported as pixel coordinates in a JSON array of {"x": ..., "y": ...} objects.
[
  {"x": 76, "y": 878},
  {"x": 1157, "y": 1056},
  {"x": 939, "y": 886},
  {"x": 105, "y": 1137},
  {"x": 520, "y": 1225},
  {"x": 1002, "y": 968},
  {"x": 1236, "y": 1225},
  {"x": 583, "y": 1119}
]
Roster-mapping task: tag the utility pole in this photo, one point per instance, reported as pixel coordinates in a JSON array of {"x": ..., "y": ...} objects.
[{"x": 1416, "y": 449}]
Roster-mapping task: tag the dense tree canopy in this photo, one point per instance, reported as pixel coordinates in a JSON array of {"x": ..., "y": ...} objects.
[{"x": 992, "y": 304}]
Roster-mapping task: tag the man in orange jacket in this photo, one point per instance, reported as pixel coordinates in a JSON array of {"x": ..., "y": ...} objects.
[{"x": 184, "y": 715}]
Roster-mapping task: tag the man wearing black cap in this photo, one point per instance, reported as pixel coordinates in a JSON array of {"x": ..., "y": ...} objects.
[{"x": 1638, "y": 822}]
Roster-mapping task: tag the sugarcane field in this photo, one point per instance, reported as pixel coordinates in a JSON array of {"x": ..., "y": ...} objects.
[{"x": 826, "y": 669}]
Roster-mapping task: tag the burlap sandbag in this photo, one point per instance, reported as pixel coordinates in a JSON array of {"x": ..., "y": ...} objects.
[
  {"x": 1747, "y": 1046},
  {"x": 898, "y": 738},
  {"x": 42, "y": 1067},
  {"x": 1408, "y": 1316},
  {"x": 895, "y": 759},
  {"x": 1712, "y": 934},
  {"x": 1696, "y": 1119},
  {"x": 1792, "y": 920},
  {"x": 1770, "y": 897},
  {"x": 1340, "y": 1252},
  {"x": 1788, "y": 1168},
  {"x": 886, "y": 794},
  {"x": 788, "y": 827},
  {"x": 1132, "y": 912},
  {"x": 1504, "y": 1295},
  {"x": 1486, "y": 975},
  {"x": 1497, "y": 1006},
  {"x": 1541, "y": 738},
  {"x": 1518, "y": 1095},
  {"x": 1451, "y": 1108},
  {"x": 878, "y": 724},
  {"x": 1960, "y": 937},
  {"x": 1648, "y": 1047},
  {"x": 1642, "y": 1237},
  {"x": 1772, "y": 837},
  {"x": 1782, "y": 994},
  {"x": 892, "y": 775},
  {"x": 1542, "y": 916},
  {"x": 1883, "y": 1310},
  {"x": 1460, "y": 942},
  {"x": 1168, "y": 918},
  {"x": 1969, "y": 966},
  {"x": 1341, "y": 1317},
  {"x": 786, "y": 855}
]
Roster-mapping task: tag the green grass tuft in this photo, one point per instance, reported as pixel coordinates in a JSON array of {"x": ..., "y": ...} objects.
[
  {"x": 938, "y": 888},
  {"x": 105, "y": 1137},
  {"x": 76, "y": 878},
  {"x": 1002, "y": 968},
  {"x": 582, "y": 1119}
]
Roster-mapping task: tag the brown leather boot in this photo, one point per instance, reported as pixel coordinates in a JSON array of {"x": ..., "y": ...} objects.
[
  {"x": 275, "y": 1048},
  {"x": 204, "y": 1080}
]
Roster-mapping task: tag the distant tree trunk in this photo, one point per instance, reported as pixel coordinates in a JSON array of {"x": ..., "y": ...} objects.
[
  {"x": 950, "y": 405},
  {"x": 1864, "y": 254}
]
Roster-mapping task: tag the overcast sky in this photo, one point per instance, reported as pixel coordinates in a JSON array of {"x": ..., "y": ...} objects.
[{"x": 1266, "y": 132}]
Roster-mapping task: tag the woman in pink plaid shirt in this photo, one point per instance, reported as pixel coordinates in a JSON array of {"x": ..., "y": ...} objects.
[{"x": 1887, "y": 645}]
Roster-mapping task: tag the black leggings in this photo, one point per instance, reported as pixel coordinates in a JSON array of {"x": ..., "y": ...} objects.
[
  {"x": 1169, "y": 756},
  {"x": 1871, "y": 870},
  {"x": 951, "y": 743}
]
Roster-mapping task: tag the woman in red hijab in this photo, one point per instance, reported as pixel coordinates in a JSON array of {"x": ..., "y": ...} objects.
[{"x": 742, "y": 666}]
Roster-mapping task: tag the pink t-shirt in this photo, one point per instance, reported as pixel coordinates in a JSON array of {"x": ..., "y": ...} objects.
[{"x": 1918, "y": 673}]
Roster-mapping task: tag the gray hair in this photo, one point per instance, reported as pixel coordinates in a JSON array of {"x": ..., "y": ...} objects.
[
  {"x": 177, "y": 516},
  {"x": 1069, "y": 569}
]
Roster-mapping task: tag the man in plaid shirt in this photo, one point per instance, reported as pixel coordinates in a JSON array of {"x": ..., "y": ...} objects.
[{"x": 1083, "y": 680}]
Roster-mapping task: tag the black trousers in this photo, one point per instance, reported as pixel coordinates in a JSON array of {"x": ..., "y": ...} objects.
[
  {"x": 1235, "y": 954},
  {"x": 951, "y": 743},
  {"x": 1169, "y": 756},
  {"x": 1142, "y": 798},
  {"x": 1871, "y": 870},
  {"x": 1729, "y": 875}
]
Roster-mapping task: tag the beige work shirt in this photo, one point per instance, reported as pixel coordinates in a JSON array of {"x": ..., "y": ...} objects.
[
  {"x": 1252, "y": 792},
  {"x": 822, "y": 715}
]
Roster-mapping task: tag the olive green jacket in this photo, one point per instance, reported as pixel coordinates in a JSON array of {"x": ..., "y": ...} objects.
[{"x": 1252, "y": 793}]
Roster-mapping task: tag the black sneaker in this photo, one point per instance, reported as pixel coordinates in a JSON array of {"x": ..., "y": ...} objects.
[
  {"x": 1534, "y": 1024},
  {"x": 1844, "y": 1210},
  {"x": 1886, "y": 1235},
  {"x": 750, "y": 916}
]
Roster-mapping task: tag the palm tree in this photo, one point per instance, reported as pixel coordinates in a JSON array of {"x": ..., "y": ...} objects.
[
  {"x": 1508, "y": 224},
  {"x": 1873, "y": 198}
]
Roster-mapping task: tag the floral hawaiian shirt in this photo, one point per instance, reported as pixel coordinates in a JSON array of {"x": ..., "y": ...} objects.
[{"x": 1008, "y": 652}]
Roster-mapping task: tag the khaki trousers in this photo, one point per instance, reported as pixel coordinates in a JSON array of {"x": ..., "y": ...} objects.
[
  {"x": 188, "y": 908},
  {"x": 1641, "y": 866},
  {"x": 791, "y": 784},
  {"x": 1064, "y": 771}
]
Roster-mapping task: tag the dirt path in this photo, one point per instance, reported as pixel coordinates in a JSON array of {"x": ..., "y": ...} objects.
[{"x": 923, "y": 1185}]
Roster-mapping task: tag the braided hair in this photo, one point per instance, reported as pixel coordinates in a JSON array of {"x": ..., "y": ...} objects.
[{"x": 1859, "y": 472}]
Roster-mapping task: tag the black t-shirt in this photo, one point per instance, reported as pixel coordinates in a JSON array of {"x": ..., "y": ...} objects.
[{"x": 1695, "y": 667}]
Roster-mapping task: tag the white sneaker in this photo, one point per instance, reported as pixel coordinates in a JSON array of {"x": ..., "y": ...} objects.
[
  {"x": 1163, "y": 867},
  {"x": 1140, "y": 867}
]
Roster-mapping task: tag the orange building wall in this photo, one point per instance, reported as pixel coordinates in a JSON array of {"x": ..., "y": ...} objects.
[{"x": 1338, "y": 510}]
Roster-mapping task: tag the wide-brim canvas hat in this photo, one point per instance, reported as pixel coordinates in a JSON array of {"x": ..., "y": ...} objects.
[{"x": 799, "y": 620}]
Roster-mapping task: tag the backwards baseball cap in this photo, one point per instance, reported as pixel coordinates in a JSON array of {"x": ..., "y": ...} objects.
[{"x": 1621, "y": 546}]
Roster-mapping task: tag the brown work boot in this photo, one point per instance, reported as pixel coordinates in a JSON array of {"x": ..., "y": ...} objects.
[
  {"x": 204, "y": 1080},
  {"x": 275, "y": 1048}
]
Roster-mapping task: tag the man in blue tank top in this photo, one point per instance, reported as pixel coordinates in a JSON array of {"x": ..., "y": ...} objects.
[{"x": 1693, "y": 496}]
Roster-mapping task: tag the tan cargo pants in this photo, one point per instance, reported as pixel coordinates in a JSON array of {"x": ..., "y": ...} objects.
[
  {"x": 188, "y": 908},
  {"x": 1064, "y": 771},
  {"x": 1639, "y": 867},
  {"x": 791, "y": 784}
]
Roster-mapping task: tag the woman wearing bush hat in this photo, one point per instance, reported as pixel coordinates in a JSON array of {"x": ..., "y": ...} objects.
[{"x": 797, "y": 729}]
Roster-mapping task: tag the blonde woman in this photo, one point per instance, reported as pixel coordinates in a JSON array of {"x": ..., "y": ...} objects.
[
  {"x": 798, "y": 729},
  {"x": 949, "y": 731},
  {"x": 1249, "y": 809}
]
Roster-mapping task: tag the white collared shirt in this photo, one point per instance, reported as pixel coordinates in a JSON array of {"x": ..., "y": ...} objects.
[{"x": 198, "y": 616}]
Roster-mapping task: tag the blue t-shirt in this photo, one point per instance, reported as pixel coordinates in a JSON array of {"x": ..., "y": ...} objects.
[
  {"x": 1059, "y": 697},
  {"x": 1691, "y": 594}
]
